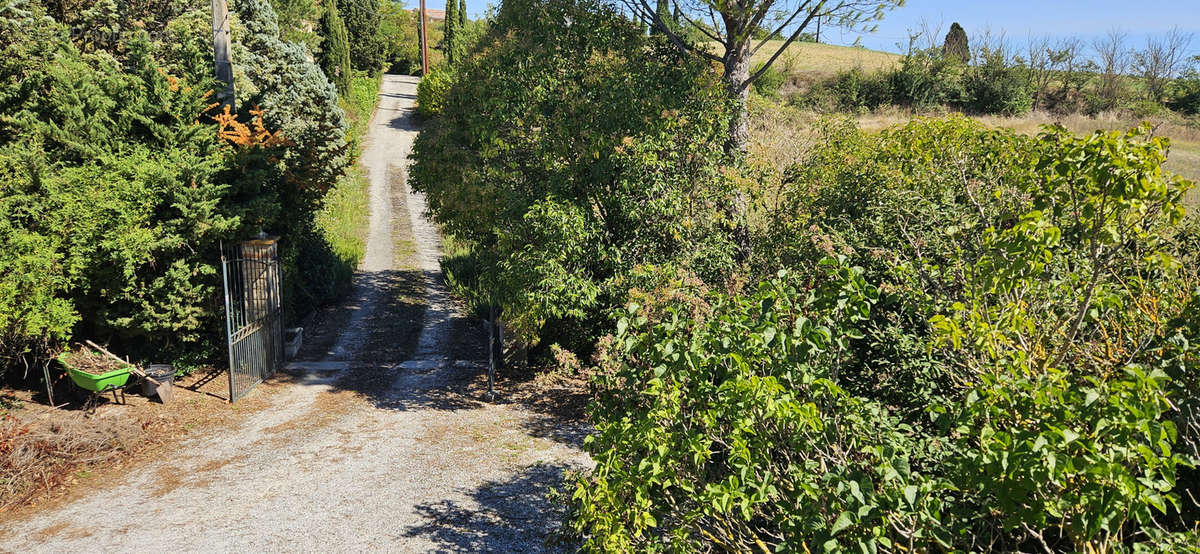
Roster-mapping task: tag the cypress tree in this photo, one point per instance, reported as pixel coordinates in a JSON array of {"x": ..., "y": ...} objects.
[
  {"x": 362, "y": 27},
  {"x": 955, "y": 47},
  {"x": 462, "y": 17},
  {"x": 663, "y": 10},
  {"x": 335, "y": 48},
  {"x": 450, "y": 30}
]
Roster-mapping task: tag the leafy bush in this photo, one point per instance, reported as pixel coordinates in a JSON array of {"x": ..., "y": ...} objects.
[
  {"x": 594, "y": 167},
  {"x": 857, "y": 90},
  {"x": 769, "y": 83},
  {"x": 927, "y": 78},
  {"x": 1186, "y": 91},
  {"x": 433, "y": 89},
  {"x": 997, "y": 85},
  {"x": 1010, "y": 381}
]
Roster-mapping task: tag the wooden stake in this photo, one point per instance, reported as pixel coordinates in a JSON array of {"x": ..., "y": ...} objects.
[
  {"x": 222, "y": 59},
  {"x": 424, "y": 43},
  {"x": 132, "y": 368}
]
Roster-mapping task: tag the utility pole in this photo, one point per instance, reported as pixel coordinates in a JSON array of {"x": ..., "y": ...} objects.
[
  {"x": 424, "y": 43},
  {"x": 222, "y": 58},
  {"x": 818, "y": 29}
]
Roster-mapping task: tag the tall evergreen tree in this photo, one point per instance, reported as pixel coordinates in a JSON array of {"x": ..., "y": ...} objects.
[
  {"x": 955, "y": 47},
  {"x": 362, "y": 27},
  {"x": 450, "y": 31},
  {"x": 663, "y": 11},
  {"x": 462, "y": 20},
  {"x": 334, "y": 57}
]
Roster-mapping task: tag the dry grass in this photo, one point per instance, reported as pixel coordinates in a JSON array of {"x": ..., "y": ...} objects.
[
  {"x": 48, "y": 454},
  {"x": 40, "y": 455},
  {"x": 805, "y": 63}
]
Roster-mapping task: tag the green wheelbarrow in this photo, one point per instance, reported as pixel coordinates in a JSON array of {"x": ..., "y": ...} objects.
[{"x": 111, "y": 381}]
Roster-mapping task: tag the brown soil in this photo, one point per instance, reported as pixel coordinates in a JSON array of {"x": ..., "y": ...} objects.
[
  {"x": 95, "y": 363},
  {"x": 50, "y": 455}
]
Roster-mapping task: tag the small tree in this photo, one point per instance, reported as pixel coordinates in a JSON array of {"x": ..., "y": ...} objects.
[
  {"x": 955, "y": 46},
  {"x": 1161, "y": 61},
  {"x": 334, "y": 57},
  {"x": 1113, "y": 58},
  {"x": 732, "y": 26}
]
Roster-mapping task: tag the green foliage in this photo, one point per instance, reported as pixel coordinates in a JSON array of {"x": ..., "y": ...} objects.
[
  {"x": 602, "y": 151},
  {"x": 853, "y": 91},
  {"x": 769, "y": 83},
  {"x": 334, "y": 57},
  {"x": 432, "y": 91},
  {"x": 398, "y": 26},
  {"x": 997, "y": 85},
  {"x": 926, "y": 78},
  {"x": 115, "y": 186},
  {"x": 450, "y": 39},
  {"x": 296, "y": 19},
  {"x": 111, "y": 197},
  {"x": 367, "y": 45},
  {"x": 1186, "y": 91},
  {"x": 1016, "y": 379}
]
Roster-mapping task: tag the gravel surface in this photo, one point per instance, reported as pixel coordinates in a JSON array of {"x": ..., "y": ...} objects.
[{"x": 408, "y": 463}]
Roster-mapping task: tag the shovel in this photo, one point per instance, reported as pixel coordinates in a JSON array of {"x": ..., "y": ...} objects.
[{"x": 165, "y": 390}]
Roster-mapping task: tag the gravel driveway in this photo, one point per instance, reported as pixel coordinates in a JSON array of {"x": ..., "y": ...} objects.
[{"x": 353, "y": 455}]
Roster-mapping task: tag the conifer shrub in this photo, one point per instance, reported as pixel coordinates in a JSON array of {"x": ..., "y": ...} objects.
[
  {"x": 118, "y": 180},
  {"x": 335, "y": 48}
]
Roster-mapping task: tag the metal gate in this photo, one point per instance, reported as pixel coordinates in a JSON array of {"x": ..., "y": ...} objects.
[{"x": 253, "y": 313}]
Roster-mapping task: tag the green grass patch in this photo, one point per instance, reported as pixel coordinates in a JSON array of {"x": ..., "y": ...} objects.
[
  {"x": 344, "y": 217},
  {"x": 359, "y": 106},
  {"x": 343, "y": 220}
]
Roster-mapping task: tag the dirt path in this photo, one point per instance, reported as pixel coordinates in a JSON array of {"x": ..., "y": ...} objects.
[{"x": 356, "y": 454}]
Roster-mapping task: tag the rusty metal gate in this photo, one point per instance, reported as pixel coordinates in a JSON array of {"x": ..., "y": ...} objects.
[{"x": 253, "y": 313}]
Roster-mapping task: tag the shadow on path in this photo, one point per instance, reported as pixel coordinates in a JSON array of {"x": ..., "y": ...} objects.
[{"x": 513, "y": 515}]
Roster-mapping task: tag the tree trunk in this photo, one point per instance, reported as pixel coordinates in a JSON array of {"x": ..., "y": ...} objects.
[
  {"x": 737, "y": 72},
  {"x": 736, "y": 75}
]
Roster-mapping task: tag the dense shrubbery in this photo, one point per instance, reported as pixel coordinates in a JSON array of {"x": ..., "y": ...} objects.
[
  {"x": 118, "y": 178},
  {"x": 928, "y": 79},
  {"x": 593, "y": 168},
  {"x": 979, "y": 344},
  {"x": 769, "y": 83},
  {"x": 946, "y": 337}
]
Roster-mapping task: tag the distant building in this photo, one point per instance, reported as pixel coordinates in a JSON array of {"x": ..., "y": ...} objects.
[{"x": 433, "y": 15}]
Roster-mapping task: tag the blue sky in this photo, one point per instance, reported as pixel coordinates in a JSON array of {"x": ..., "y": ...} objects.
[
  {"x": 1016, "y": 18},
  {"x": 1019, "y": 18}
]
